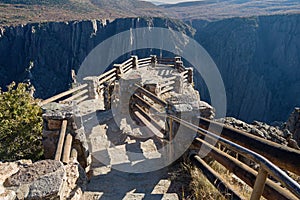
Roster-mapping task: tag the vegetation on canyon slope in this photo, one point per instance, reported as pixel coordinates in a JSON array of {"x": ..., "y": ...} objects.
[
  {"x": 14, "y": 12},
  {"x": 20, "y": 124}
]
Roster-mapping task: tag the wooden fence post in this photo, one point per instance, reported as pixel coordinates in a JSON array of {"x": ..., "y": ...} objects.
[
  {"x": 67, "y": 148},
  {"x": 178, "y": 65},
  {"x": 153, "y": 60},
  {"x": 61, "y": 140},
  {"x": 190, "y": 75},
  {"x": 259, "y": 185},
  {"x": 119, "y": 70},
  {"x": 135, "y": 61},
  {"x": 177, "y": 58}
]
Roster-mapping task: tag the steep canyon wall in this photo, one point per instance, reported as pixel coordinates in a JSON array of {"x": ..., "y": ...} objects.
[{"x": 258, "y": 57}]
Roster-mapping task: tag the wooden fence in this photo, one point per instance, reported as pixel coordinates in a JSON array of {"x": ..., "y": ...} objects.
[
  {"x": 253, "y": 148},
  {"x": 258, "y": 180}
]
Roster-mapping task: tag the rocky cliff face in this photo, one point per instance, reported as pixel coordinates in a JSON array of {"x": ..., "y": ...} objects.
[
  {"x": 46, "y": 53},
  {"x": 258, "y": 57},
  {"x": 259, "y": 60}
]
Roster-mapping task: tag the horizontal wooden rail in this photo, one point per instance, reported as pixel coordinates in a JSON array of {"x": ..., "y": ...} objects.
[
  {"x": 144, "y": 65},
  {"x": 151, "y": 119},
  {"x": 247, "y": 174},
  {"x": 109, "y": 77},
  {"x": 166, "y": 60},
  {"x": 148, "y": 125},
  {"x": 127, "y": 61},
  {"x": 144, "y": 59},
  {"x": 79, "y": 94},
  {"x": 82, "y": 99},
  {"x": 272, "y": 169},
  {"x": 216, "y": 179},
  {"x": 284, "y": 157},
  {"x": 145, "y": 103},
  {"x": 166, "y": 89},
  {"x": 166, "y": 84},
  {"x": 151, "y": 96},
  {"x": 127, "y": 66},
  {"x": 125, "y": 70},
  {"x": 107, "y": 73},
  {"x": 144, "y": 62},
  {"x": 184, "y": 72},
  {"x": 63, "y": 94}
]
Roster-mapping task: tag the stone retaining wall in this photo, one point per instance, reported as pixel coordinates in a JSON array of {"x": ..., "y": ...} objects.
[{"x": 53, "y": 116}]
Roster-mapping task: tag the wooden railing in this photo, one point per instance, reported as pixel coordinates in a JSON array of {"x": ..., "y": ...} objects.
[
  {"x": 144, "y": 62},
  {"x": 243, "y": 172},
  {"x": 79, "y": 95},
  {"x": 253, "y": 148},
  {"x": 259, "y": 181},
  {"x": 81, "y": 92},
  {"x": 64, "y": 149},
  {"x": 166, "y": 61},
  {"x": 167, "y": 85}
]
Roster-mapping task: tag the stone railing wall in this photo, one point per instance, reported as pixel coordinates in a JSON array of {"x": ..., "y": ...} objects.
[{"x": 54, "y": 115}]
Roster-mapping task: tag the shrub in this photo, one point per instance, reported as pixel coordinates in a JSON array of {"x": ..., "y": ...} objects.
[{"x": 20, "y": 124}]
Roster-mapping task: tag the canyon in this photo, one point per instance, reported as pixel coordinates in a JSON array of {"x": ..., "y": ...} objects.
[{"x": 258, "y": 57}]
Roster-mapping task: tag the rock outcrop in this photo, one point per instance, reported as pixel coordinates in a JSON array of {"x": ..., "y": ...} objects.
[
  {"x": 293, "y": 124},
  {"x": 46, "y": 179},
  {"x": 260, "y": 129}
]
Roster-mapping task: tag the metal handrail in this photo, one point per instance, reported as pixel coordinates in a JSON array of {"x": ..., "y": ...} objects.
[
  {"x": 266, "y": 166},
  {"x": 272, "y": 169}
]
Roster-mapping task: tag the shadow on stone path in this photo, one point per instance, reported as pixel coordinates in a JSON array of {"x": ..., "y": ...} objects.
[{"x": 109, "y": 148}]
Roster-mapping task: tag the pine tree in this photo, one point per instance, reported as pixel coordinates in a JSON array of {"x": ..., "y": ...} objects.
[{"x": 20, "y": 124}]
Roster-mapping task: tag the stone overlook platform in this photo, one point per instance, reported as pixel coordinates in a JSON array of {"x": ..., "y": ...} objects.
[
  {"x": 124, "y": 130},
  {"x": 117, "y": 142}
]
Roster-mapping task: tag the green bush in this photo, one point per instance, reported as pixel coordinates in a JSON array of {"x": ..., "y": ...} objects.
[{"x": 21, "y": 124}]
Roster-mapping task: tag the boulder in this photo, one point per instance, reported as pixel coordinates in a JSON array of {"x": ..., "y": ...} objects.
[
  {"x": 75, "y": 181},
  {"x": 6, "y": 170},
  {"x": 293, "y": 124},
  {"x": 46, "y": 179},
  {"x": 40, "y": 180},
  {"x": 257, "y": 128}
]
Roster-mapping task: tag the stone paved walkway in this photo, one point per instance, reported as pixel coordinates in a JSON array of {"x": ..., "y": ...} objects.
[{"x": 110, "y": 147}]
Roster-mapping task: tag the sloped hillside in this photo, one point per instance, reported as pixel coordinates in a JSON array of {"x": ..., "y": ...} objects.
[
  {"x": 220, "y": 9},
  {"x": 15, "y": 12}
]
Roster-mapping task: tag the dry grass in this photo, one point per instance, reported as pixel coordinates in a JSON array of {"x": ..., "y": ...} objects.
[
  {"x": 201, "y": 187},
  {"x": 241, "y": 187},
  {"x": 189, "y": 183}
]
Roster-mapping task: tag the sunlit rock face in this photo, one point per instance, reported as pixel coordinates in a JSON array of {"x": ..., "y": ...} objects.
[{"x": 259, "y": 60}]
